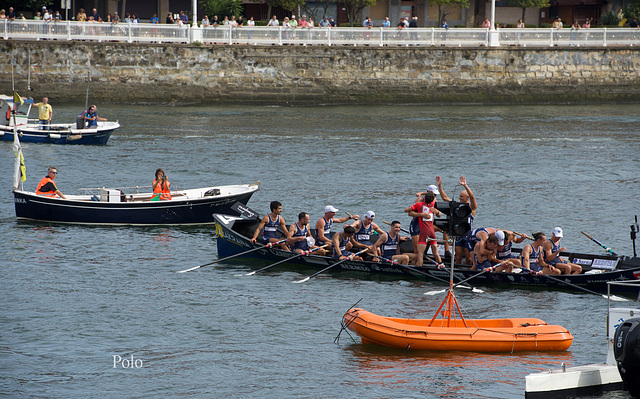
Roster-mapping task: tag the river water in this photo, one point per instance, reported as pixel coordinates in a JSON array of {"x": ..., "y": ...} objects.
[{"x": 76, "y": 297}]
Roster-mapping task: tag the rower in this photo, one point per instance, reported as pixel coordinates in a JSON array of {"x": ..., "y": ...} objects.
[
  {"x": 485, "y": 252},
  {"x": 299, "y": 236},
  {"x": 506, "y": 239},
  {"x": 270, "y": 223},
  {"x": 552, "y": 251},
  {"x": 363, "y": 228},
  {"x": 388, "y": 245},
  {"x": 466, "y": 196},
  {"x": 343, "y": 242},
  {"x": 532, "y": 257},
  {"x": 323, "y": 225}
]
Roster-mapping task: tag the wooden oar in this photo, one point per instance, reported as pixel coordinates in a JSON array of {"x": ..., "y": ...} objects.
[
  {"x": 599, "y": 243},
  {"x": 329, "y": 267},
  {"x": 269, "y": 245},
  {"x": 521, "y": 235},
  {"x": 558, "y": 280},
  {"x": 286, "y": 260}
]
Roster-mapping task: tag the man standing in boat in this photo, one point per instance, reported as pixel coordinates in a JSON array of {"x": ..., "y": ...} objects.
[
  {"x": 532, "y": 256},
  {"x": 270, "y": 223},
  {"x": 45, "y": 112},
  {"x": 161, "y": 186},
  {"x": 299, "y": 235},
  {"x": 463, "y": 244},
  {"x": 425, "y": 211},
  {"x": 552, "y": 251},
  {"x": 47, "y": 186},
  {"x": 323, "y": 225}
]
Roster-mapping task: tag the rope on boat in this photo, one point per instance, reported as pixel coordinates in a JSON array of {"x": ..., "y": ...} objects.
[{"x": 343, "y": 326}]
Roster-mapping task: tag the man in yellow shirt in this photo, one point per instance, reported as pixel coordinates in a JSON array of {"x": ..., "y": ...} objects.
[{"x": 45, "y": 112}]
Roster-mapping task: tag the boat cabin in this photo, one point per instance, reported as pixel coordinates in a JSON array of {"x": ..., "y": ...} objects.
[{"x": 22, "y": 116}]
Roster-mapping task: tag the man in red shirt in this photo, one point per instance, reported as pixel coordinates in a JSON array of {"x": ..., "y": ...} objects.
[{"x": 424, "y": 210}]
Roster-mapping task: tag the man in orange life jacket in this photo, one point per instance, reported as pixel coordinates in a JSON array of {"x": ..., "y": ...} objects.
[
  {"x": 162, "y": 186},
  {"x": 47, "y": 186}
]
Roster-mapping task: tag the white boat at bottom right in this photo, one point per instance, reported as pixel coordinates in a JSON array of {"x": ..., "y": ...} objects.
[{"x": 620, "y": 371}]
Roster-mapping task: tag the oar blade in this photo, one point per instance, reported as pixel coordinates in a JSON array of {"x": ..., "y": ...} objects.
[
  {"x": 250, "y": 274},
  {"x": 188, "y": 270},
  {"x": 435, "y": 292},
  {"x": 303, "y": 280}
]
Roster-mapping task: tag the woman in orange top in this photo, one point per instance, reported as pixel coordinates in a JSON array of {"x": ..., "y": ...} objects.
[{"x": 161, "y": 185}]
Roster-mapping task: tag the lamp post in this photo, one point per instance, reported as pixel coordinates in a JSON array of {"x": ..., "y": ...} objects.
[
  {"x": 494, "y": 38},
  {"x": 196, "y": 31}
]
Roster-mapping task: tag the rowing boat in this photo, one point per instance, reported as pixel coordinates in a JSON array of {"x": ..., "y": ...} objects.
[
  {"x": 445, "y": 334},
  {"x": 234, "y": 233}
]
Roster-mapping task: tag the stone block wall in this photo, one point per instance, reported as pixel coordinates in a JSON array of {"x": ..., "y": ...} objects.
[{"x": 166, "y": 73}]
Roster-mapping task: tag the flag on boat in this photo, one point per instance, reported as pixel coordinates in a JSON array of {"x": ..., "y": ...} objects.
[
  {"x": 20, "y": 170},
  {"x": 17, "y": 99}
]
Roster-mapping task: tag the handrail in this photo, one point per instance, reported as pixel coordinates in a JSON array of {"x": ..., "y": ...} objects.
[{"x": 358, "y": 36}]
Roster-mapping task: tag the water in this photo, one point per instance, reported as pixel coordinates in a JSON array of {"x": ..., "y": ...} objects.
[{"x": 74, "y": 297}]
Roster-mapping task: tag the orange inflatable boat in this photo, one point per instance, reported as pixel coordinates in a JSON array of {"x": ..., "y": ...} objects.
[{"x": 458, "y": 334}]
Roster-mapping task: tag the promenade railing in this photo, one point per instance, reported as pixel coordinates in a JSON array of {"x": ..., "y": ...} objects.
[{"x": 458, "y": 37}]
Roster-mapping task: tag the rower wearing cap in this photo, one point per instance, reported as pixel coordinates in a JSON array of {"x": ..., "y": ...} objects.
[
  {"x": 552, "y": 251},
  {"x": 466, "y": 196},
  {"x": 363, "y": 229},
  {"x": 300, "y": 238},
  {"x": 506, "y": 239},
  {"x": 323, "y": 225}
]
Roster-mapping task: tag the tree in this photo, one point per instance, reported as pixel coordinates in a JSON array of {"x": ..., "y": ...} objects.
[
  {"x": 222, "y": 8},
  {"x": 289, "y": 5},
  {"x": 355, "y": 7},
  {"x": 312, "y": 11},
  {"x": 445, "y": 5},
  {"x": 524, "y": 4}
]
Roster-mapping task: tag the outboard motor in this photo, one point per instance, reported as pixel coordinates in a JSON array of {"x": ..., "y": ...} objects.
[{"x": 626, "y": 348}]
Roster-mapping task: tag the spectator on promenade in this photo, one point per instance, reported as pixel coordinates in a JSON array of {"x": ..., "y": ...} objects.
[
  {"x": 311, "y": 23},
  {"x": 184, "y": 18},
  {"x": 444, "y": 24},
  {"x": 3, "y": 14},
  {"x": 633, "y": 23},
  {"x": 386, "y": 23},
  {"x": 240, "y": 21},
  {"x": 205, "y": 22},
  {"x": 303, "y": 22},
  {"x": 587, "y": 23},
  {"x": 215, "y": 22},
  {"x": 557, "y": 24},
  {"x": 293, "y": 22},
  {"x": 82, "y": 16},
  {"x": 251, "y": 22},
  {"x": 273, "y": 21},
  {"x": 414, "y": 22},
  {"x": 127, "y": 18},
  {"x": 169, "y": 19},
  {"x": 96, "y": 16},
  {"x": 520, "y": 24},
  {"x": 57, "y": 16},
  {"x": 21, "y": 17},
  {"x": 324, "y": 22},
  {"x": 367, "y": 23},
  {"x": 154, "y": 19},
  {"x": 116, "y": 18},
  {"x": 11, "y": 16},
  {"x": 38, "y": 16},
  {"x": 109, "y": 18},
  {"x": 332, "y": 22},
  {"x": 48, "y": 16},
  {"x": 486, "y": 23}
]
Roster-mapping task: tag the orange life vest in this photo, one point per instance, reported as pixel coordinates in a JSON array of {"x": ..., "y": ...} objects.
[
  {"x": 164, "y": 192},
  {"x": 44, "y": 181}
]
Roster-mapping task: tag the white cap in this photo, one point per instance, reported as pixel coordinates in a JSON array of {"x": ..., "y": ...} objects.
[
  {"x": 434, "y": 189},
  {"x": 500, "y": 237},
  {"x": 370, "y": 214},
  {"x": 557, "y": 232},
  {"x": 330, "y": 208}
]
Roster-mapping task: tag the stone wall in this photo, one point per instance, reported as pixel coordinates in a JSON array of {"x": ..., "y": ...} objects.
[{"x": 159, "y": 73}]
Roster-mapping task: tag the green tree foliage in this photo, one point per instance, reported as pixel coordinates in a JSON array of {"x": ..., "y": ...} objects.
[
  {"x": 290, "y": 5},
  {"x": 222, "y": 8},
  {"x": 444, "y": 6},
  {"x": 355, "y": 7},
  {"x": 27, "y": 5},
  {"x": 633, "y": 9},
  {"x": 524, "y": 4}
]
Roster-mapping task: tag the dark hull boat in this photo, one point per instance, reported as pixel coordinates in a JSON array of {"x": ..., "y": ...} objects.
[
  {"x": 112, "y": 207},
  {"x": 234, "y": 234}
]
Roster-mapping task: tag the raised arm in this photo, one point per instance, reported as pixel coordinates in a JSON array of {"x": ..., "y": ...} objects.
[
  {"x": 442, "y": 194},
  {"x": 472, "y": 199}
]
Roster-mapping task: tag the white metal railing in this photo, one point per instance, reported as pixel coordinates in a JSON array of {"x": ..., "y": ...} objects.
[{"x": 162, "y": 33}]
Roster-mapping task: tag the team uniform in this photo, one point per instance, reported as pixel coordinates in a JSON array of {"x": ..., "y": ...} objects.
[
  {"x": 473, "y": 239},
  {"x": 303, "y": 245},
  {"x": 270, "y": 229},
  {"x": 554, "y": 248},
  {"x": 426, "y": 226},
  {"x": 363, "y": 235},
  {"x": 505, "y": 253},
  {"x": 481, "y": 265},
  {"x": 327, "y": 230},
  {"x": 465, "y": 241},
  {"x": 343, "y": 244},
  {"x": 389, "y": 247},
  {"x": 533, "y": 259}
]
